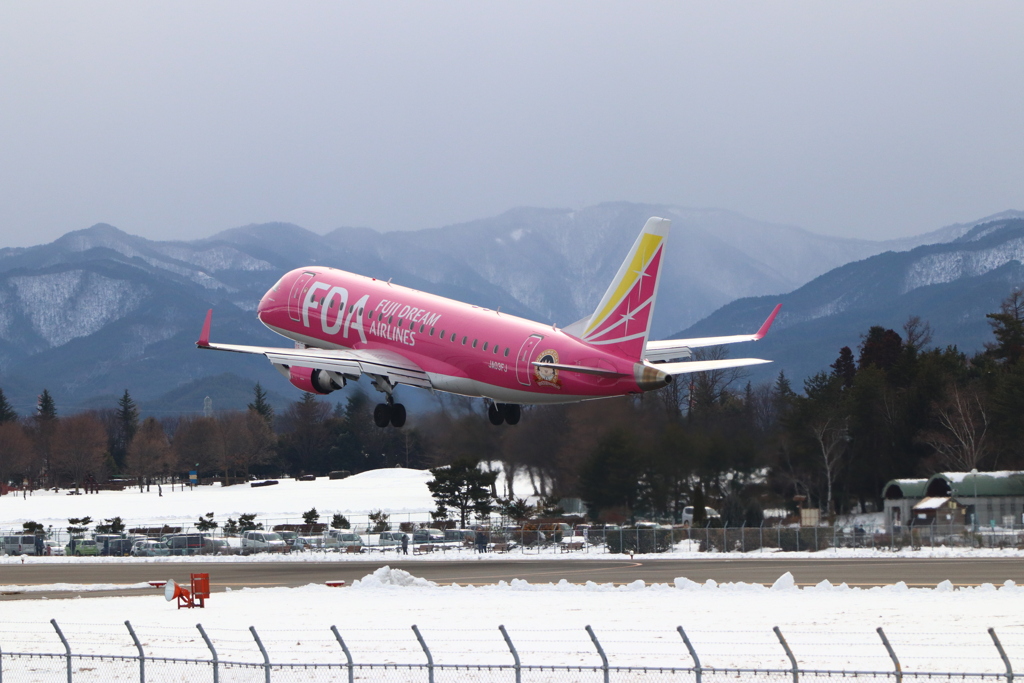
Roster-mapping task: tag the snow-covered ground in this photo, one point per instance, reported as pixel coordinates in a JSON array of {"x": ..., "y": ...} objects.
[
  {"x": 401, "y": 492},
  {"x": 936, "y": 629}
]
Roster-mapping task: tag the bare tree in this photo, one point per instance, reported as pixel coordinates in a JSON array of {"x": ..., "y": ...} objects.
[
  {"x": 15, "y": 451},
  {"x": 198, "y": 444},
  {"x": 710, "y": 388},
  {"x": 917, "y": 333},
  {"x": 79, "y": 446},
  {"x": 149, "y": 452},
  {"x": 248, "y": 441},
  {"x": 832, "y": 435},
  {"x": 960, "y": 439}
]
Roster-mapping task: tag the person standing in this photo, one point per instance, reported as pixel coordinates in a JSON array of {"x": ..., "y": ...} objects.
[{"x": 405, "y": 544}]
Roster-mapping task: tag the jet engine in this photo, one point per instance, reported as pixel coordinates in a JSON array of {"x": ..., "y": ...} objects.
[{"x": 315, "y": 381}]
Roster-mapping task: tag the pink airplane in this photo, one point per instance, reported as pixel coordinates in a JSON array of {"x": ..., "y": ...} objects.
[{"x": 345, "y": 326}]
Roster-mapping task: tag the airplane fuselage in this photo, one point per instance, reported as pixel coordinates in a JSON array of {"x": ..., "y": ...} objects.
[{"x": 463, "y": 349}]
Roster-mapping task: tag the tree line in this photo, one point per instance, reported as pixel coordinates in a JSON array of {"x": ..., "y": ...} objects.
[{"x": 895, "y": 407}]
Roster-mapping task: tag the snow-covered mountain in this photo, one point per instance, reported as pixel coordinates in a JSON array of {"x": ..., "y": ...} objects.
[
  {"x": 98, "y": 310},
  {"x": 951, "y": 285}
]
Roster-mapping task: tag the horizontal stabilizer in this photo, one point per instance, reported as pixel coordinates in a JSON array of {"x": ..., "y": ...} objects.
[{"x": 707, "y": 365}]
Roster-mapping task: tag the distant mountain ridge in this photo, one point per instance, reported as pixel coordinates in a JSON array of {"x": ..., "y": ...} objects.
[
  {"x": 99, "y": 310},
  {"x": 952, "y": 286}
]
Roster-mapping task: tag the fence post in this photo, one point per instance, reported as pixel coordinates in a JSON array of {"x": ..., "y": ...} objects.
[
  {"x": 697, "y": 670},
  {"x": 67, "y": 647},
  {"x": 263, "y": 650},
  {"x": 600, "y": 651},
  {"x": 142, "y": 654},
  {"x": 892, "y": 655},
  {"x": 348, "y": 655},
  {"x": 213, "y": 651},
  {"x": 512, "y": 649},
  {"x": 426, "y": 650},
  {"x": 789, "y": 653},
  {"x": 1002, "y": 653}
]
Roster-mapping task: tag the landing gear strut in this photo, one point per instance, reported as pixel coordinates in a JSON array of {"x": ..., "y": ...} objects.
[{"x": 504, "y": 412}]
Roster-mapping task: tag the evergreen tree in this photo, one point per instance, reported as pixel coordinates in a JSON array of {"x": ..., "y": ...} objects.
[
  {"x": 126, "y": 426},
  {"x": 844, "y": 367},
  {"x": 462, "y": 486},
  {"x": 260, "y": 406},
  {"x": 7, "y": 413},
  {"x": 1008, "y": 328},
  {"x": 46, "y": 409},
  {"x": 128, "y": 415}
]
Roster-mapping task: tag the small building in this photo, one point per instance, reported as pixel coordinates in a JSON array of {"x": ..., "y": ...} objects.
[
  {"x": 939, "y": 510},
  {"x": 899, "y": 498},
  {"x": 992, "y": 498}
]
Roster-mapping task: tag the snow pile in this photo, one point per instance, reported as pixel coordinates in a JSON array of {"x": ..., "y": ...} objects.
[
  {"x": 72, "y": 587},
  {"x": 386, "y": 577}
]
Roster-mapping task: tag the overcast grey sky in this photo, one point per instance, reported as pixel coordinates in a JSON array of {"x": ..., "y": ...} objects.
[{"x": 171, "y": 119}]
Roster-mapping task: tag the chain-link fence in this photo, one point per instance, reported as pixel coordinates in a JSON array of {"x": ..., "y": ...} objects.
[
  {"x": 585, "y": 539},
  {"x": 95, "y": 653}
]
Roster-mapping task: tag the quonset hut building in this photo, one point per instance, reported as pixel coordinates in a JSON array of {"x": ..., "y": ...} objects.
[{"x": 997, "y": 498}]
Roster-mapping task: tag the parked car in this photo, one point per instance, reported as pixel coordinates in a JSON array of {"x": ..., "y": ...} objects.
[
  {"x": 82, "y": 546},
  {"x": 294, "y": 541},
  {"x": 390, "y": 538},
  {"x": 687, "y": 516},
  {"x": 226, "y": 546},
  {"x": 52, "y": 548},
  {"x": 189, "y": 544},
  {"x": 150, "y": 549},
  {"x": 262, "y": 542},
  {"x": 103, "y": 542},
  {"x": 428, "y": 536},
  {"x": 21, "y": 544},
  {"x": 120, "y": 547},
  {"x": 340, "y": 538}
]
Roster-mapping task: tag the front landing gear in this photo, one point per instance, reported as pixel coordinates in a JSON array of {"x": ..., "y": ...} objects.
[{"x": 498, "y": 413}]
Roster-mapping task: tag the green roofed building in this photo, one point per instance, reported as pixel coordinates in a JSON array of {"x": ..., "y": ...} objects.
[
  {"x": 992, "y": 499},
  {"x": 898, "y": 498},
  {"x": 996, "y": 498}
]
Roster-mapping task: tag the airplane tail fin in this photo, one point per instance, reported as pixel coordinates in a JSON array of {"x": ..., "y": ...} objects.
[{"x": 622, "y": 320}]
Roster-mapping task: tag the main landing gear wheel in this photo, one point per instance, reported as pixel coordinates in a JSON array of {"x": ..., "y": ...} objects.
[
  {"x": 504, "y": 412},
  {"x": 389, "y": 414}
]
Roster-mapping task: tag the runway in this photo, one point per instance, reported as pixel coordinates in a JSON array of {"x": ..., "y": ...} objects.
[{"x": 223, "y": 575}]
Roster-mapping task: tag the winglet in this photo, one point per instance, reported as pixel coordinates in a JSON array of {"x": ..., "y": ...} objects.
[
  {"x": 204, "y": 336},
  {"x": 767, "y": 323}
]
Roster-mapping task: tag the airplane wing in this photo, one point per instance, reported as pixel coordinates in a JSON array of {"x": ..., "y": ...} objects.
[
  {"x": 348, "y": 362},
  {"x": 670, "y": 349}
]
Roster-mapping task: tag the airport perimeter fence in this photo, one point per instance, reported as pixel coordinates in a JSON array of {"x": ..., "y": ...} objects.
[
  {"x": 236, "y": 656},
  {"x": 653, "y": 539}
]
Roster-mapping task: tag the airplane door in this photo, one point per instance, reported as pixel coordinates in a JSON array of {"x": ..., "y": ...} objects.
[
  {"x": 523, "y": 368},
  {"x": 298, "y": 295}
]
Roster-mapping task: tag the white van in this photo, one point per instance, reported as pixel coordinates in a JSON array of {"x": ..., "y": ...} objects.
[
  {"x": 262, "y": 542},
  {"x": 342, "y": 538},
  {"x": 19, "y": 545}
]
